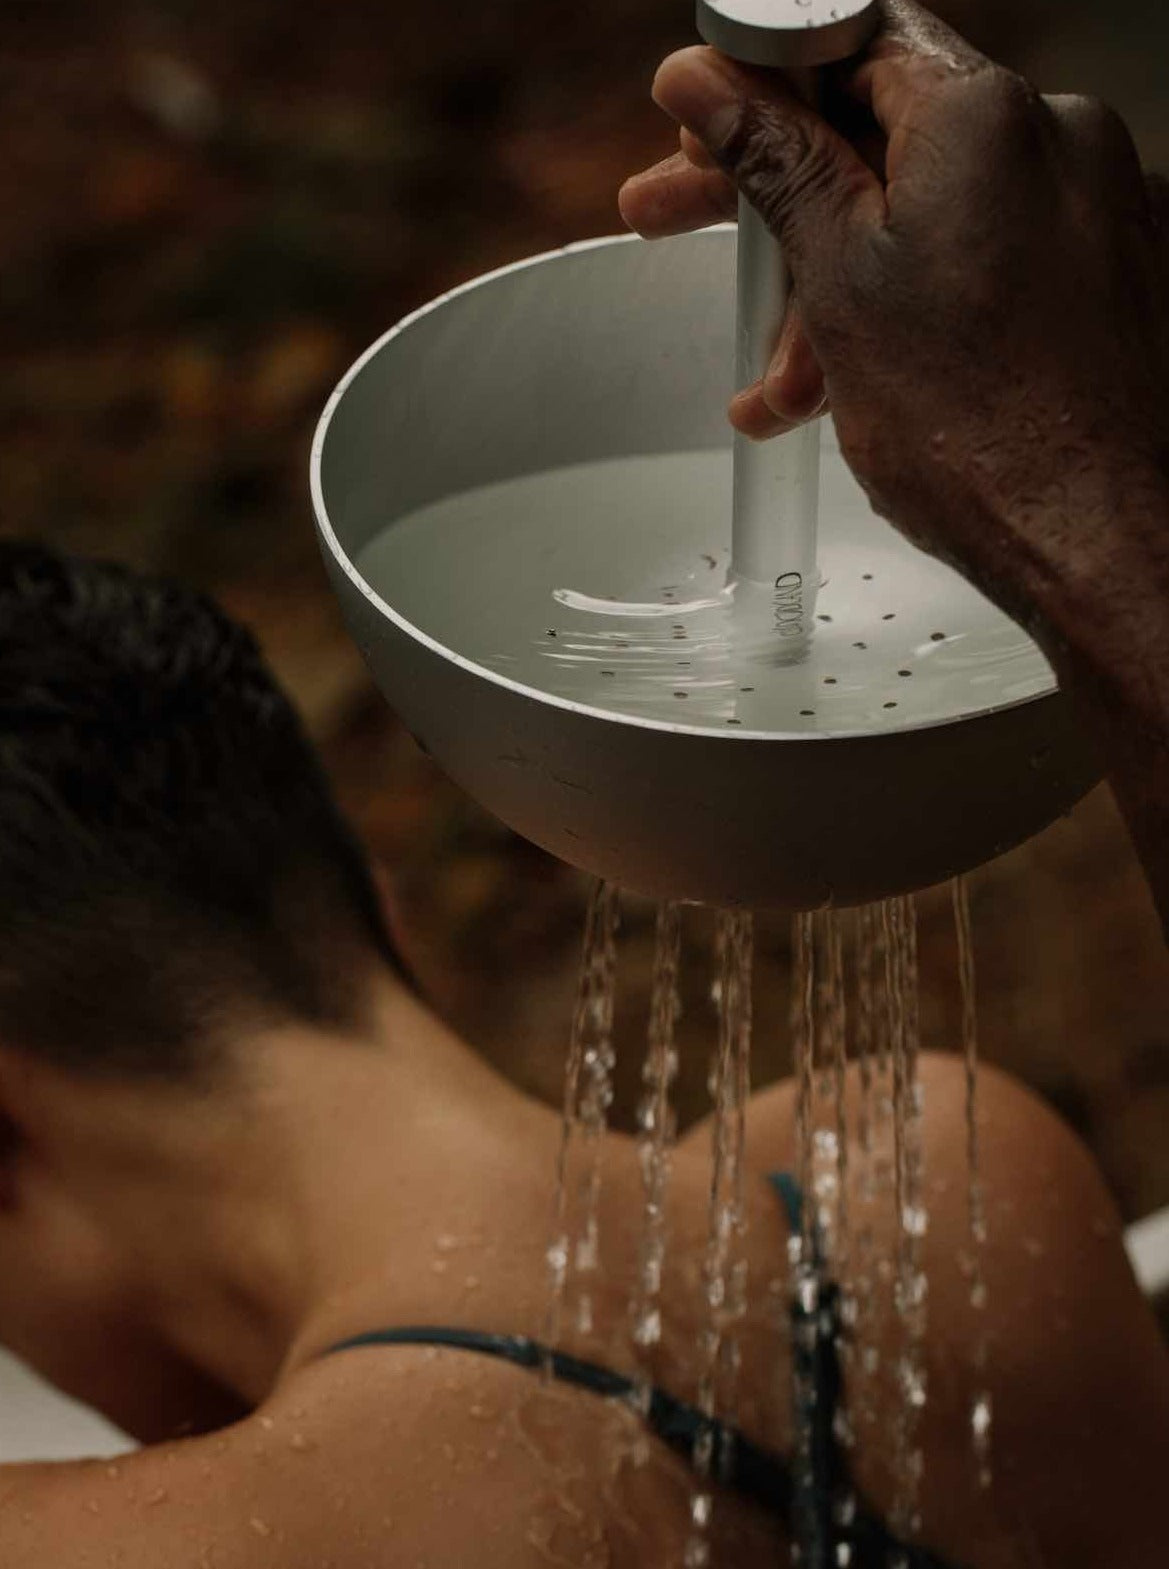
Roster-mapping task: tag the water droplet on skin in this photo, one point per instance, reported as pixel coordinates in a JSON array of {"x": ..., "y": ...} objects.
[
  {"x": 159, "y": 1496},
  {"x": 260, "y": 1527},
  {"x": 300, "y": 1443},
  {"x": 648, "y": 1329}
]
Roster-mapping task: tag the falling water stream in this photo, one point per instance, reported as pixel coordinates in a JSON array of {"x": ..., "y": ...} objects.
[
  {"x": 859, "y": 1159},
  {"x": 981, "y": 1410},
  {"x": 588, "y": 1094},
  {"x": 910, "y": 1285},
  {"x": 724, "y": 1269},
  {"x": 655, "y": 1135}
]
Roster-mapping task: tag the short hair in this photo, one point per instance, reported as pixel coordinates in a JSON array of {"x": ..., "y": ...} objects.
[{"x": 172, "y": 859}]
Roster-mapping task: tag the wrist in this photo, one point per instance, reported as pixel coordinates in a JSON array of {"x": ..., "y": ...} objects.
[{"x": 1097, "y": 583}]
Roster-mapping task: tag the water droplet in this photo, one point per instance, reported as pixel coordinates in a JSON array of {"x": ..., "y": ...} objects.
[
  {"x": 647, "y": 1331},
  {"x": 826, "y": 1145},
  {"x": 808, "y": 1292},
  {"x": 915, "y": 1220}
]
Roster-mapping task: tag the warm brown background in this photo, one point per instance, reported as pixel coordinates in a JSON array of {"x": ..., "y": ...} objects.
[{"x": 207, "y": 207}]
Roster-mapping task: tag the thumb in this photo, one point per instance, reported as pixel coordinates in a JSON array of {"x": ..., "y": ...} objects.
[{"x": 805, "y": 180}]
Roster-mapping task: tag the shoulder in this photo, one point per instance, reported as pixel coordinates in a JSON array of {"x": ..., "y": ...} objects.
[
  {"x": 452, "y": 1458},
  {"x": 371, "y": 1459}
]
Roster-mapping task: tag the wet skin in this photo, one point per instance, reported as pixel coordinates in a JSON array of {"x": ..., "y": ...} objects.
[{"x": 338, "y": 1186}]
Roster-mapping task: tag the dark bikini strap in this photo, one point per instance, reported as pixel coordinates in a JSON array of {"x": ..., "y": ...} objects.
[{"x": 741, "y": 1465}]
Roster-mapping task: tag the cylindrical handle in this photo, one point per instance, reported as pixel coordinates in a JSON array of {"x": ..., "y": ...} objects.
[{"x": 777, "y": 483}]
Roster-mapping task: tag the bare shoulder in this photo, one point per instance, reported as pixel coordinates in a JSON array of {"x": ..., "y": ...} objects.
[
  {"x": 492, "y": 1465},
  {"x": 378, "y": 1459},
  {"x": 394, "y": 1458}
]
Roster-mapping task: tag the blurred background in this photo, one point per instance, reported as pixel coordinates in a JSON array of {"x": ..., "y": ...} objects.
[{"x": 209, "y": 207}]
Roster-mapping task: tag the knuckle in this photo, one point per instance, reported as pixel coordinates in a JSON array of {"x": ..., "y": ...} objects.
[
  {"x": 1014, "y": 104},
  {"x": 1090, "y": 116},
  {"x": 1003, "y": 107},
  {"x": 1096, "y": 127},
  {"x": 782, "y": 162}
]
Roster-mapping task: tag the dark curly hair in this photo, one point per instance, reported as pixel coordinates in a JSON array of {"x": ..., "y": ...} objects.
[{"x": 172, "y": 859}]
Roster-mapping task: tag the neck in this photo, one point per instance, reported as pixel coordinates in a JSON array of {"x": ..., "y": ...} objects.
[{"x": 259, "y": 1222}]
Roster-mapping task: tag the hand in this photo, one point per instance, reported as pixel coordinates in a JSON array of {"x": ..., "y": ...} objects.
[{"x": 986, "y": 289}]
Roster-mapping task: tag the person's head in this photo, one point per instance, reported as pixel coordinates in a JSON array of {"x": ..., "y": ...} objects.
[
  {"x": 173, "y": 866},
  {"x": 176, "y": 882}
]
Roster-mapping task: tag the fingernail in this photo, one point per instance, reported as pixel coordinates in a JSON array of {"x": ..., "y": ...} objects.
[
  {"x": 701, "y": 96},
  {"x": 794, "y": 410},
  {"x": 751, "y": 417}
]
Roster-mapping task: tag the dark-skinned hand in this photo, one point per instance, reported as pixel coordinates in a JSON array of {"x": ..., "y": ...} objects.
[{"x": 982, "y": 278}]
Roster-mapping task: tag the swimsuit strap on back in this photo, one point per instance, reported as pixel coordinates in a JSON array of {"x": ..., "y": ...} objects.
[{"x": 808, "y": 1505}]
